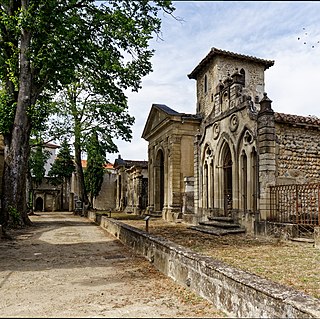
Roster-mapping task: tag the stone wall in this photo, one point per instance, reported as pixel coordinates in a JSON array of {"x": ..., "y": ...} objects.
[
  {"x": 298, "y": 154},
  {"x": 107, "y": 197},
  {"x": 238, "y": 293}
]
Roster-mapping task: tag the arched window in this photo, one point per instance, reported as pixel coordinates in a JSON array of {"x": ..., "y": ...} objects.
[
  {"x": 225, "y": 102},
  {"x": 243, "y": 74},
  {"x": 206, "y": 186},
  {"x": 244, "y": 177},
  {"x": 227, "y": 172},
  {"x": 212, "y": 184},
  {"x": 205, "y": 84},
  {"x": 255, "y": 172}
]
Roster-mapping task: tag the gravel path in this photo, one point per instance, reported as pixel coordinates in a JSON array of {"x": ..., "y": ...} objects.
[{"x": 65, "y": 267}]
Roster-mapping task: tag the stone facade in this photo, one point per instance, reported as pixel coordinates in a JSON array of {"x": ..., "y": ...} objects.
[
  {"x": 170, "y": 157},
  {"x": 238, "y": 146},
  {"x": 298, "y": 149},
  {"x": 131, "y": 185}
]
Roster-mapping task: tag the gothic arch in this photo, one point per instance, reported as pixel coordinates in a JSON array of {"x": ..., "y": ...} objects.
[
  {"x": 224, "y": 170},
  {"x": 227, "y": 171},
  {"x": 207, "y": 151},
  {"x": 248, "y": 171},
  {"x": 207, "y": 177},
  {"x": 243, "y": 74},
  {"x": 254, "y": 178}
]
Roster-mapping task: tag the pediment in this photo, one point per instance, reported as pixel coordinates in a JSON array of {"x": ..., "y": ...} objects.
[{"x": 159, "y": 113}]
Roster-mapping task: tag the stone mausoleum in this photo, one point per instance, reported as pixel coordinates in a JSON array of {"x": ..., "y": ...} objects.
[{"x": 235, "y": 157}]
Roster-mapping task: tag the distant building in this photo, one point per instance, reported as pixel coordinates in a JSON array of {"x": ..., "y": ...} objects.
[
  {"x": 47, "y": 197},
  {"x": 131, "y": 185}
]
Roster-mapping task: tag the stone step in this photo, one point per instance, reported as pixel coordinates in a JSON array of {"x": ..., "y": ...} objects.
[
  {"x": 217, "y": 231},
  {"x": 303, "y": 240},
  {"x": 219, "y": 224},
  {"x": 157, "y": 214},
  {"x": 221, "y": 219}
]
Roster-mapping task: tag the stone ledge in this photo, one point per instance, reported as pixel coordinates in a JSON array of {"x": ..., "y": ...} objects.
[{"x": 234, "y": 291}]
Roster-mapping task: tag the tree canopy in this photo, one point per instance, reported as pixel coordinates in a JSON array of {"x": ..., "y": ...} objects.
[{"x": 43, "y": 46}]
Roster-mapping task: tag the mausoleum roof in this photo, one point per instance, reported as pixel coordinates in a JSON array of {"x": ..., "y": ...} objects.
[{"x": 218, "y": 52}]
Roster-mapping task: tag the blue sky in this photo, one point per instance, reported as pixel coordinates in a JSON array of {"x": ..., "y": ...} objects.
[{"x": 284, "y": 31}]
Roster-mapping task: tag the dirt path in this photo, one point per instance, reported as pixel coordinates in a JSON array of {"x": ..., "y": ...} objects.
[{"x": 65, "y": 266}]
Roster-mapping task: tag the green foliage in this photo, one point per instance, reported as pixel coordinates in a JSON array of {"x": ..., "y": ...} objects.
[
  {"x": 95, "y": 165},
  {"x": 82, "y": 112},
  {"x": 7, "y": 112},
  {"x": 47, "y": 46},
  {"x": 63, "y": 166},
  {"x": 37, "y": 161},
  {"x": 14, "y": 217},
  {"x": 108, "y": 39}
]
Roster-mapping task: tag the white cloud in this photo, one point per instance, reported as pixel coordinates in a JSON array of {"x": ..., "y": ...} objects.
[{"x": 267, "y": 29}]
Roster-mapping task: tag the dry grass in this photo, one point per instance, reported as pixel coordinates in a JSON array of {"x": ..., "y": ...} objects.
[{"x": 290, "y": 263}]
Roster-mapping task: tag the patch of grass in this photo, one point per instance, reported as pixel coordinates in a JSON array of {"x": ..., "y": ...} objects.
[{"x": 288, "y": 263}]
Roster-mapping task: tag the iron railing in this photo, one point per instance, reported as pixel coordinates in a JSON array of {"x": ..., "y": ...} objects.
[{"x": 295, "y": 203}]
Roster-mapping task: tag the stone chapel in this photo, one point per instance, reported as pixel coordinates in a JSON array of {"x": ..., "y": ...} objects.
[{"x": 235, "y": 156}]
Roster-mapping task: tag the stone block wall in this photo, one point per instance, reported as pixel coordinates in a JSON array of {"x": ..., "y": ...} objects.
[
  {"x": 298, "y": 159},
  {"x": 238, "y": 293}
]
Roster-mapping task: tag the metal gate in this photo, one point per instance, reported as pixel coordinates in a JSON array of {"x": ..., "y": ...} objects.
[{"x": 295, "y": 203}]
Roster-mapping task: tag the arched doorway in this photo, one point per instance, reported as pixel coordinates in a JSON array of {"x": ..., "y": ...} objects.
[
  {"x": 159, "y": 182},
  {"x": 227, "y": 178},
  {"x": 39, "y": 205}
]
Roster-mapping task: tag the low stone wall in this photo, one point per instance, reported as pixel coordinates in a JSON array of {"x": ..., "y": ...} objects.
[
  {"x": 236, "y": 292},
  {"x": 317, "y": 237}
]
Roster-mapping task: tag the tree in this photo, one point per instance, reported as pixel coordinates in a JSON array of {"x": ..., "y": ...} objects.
[
  {"x": 43, "y": 43},
  {"x": 94, "y": 172},
  {"x": 61, "y": 170},
  {"x": 84, "y": 114}
]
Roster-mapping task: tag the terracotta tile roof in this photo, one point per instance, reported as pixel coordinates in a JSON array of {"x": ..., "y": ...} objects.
[
  {"x": 107, "y": 165},
  {"x": 297, "y": 119},
  {"x": 218, "y": 52}
]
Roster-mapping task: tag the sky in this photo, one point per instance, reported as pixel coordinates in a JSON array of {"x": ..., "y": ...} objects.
[{"x": 287, "y": 32}]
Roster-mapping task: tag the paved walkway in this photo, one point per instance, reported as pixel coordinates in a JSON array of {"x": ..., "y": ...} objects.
[{"x": 66, "y": 266}]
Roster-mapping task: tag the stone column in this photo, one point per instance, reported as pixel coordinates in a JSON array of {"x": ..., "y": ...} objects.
[
  {"x": 175, "y": 173},
  {"x": 197, "y": 166},
  {"x": 267, "y": 158}
]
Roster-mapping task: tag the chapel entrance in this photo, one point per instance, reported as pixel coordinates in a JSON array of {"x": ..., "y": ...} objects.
[
  {"x": 39, "y": 205},
  {"x": 227, "y": 177}
]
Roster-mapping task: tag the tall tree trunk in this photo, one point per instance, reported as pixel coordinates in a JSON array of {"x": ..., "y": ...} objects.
[
  {"x": 81, "y": 185},
  {"x": 16, "y": 152}
]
